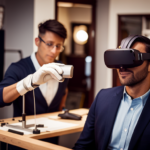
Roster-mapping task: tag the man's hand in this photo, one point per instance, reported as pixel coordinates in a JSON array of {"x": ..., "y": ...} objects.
[{"x": 44, "y": 74}]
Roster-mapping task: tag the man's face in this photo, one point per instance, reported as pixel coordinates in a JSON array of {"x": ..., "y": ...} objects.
[
  {"x": 45, "y": 53},
  {"x": 133, "y": 76}
]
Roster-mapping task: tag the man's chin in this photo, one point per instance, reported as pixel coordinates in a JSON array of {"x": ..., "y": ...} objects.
[
  {"x": 128, "y": 83},
  {"x": 49, "y": 61}
]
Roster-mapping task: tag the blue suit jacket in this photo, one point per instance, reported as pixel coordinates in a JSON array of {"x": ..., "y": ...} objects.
[{"x": 99, "y": 124}]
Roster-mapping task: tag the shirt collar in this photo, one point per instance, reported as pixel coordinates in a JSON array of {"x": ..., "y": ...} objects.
[
  {"x": 35, "y": 62},
  {"x": 143, "y": 97}
]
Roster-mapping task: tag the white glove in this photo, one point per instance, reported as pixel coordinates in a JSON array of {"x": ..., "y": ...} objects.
[
  {"x": 44, "y": 74},
  {"x": 47, "y": 72}
]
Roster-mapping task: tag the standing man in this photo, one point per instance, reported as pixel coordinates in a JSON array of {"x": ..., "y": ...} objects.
[
  {"x": 41, "y": 72},
  {"x": 119, "y": 118}
]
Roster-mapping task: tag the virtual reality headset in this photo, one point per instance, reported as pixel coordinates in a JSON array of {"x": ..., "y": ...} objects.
[{"x": 125, "y": 56}]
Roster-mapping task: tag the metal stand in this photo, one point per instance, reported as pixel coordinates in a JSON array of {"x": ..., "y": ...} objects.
[
  {"x": 23, "y": 114},
  {"x": 24, "y": 126}
]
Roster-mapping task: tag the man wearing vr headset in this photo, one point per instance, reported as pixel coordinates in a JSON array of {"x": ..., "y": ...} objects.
[{"x": 119, "y": 118}]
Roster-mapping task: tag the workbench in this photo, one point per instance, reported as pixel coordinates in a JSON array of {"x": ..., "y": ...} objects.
[{"x": 31, "y": 141}]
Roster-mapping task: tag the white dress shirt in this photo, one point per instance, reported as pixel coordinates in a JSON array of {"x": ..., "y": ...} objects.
[{"x": 48, "y": 89}]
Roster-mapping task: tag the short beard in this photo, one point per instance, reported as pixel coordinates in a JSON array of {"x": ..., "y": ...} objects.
[{"x": 135, "y": 79}]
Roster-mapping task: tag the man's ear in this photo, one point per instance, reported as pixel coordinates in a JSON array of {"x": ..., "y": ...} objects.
[
  {"x": 148, "y": 66},
  {"x": 37, "y": 41}
]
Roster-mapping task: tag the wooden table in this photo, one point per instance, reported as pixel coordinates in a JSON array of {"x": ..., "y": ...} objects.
[{"x": 30, "y": 141}]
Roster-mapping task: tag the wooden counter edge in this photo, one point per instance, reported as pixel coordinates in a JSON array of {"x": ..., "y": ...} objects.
[
  {"x": 28, "y": 143},
  {"x": 56, "y": 133}
]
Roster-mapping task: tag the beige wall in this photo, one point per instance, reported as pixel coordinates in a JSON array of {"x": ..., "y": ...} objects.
[
  {"x": 63, "y": 17},
  {"x": 43, "y": 10},
  {"x": 78, "y": 15},
  {"x": 102, "y": 73}
]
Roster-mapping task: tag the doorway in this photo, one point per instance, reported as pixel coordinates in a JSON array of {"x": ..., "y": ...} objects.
[{"x": 75, "y": 15}]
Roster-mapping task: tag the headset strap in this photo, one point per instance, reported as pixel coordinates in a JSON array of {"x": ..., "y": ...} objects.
[
  {"x": 145, "y": 56},
  {"x": 127, "y": 42}
]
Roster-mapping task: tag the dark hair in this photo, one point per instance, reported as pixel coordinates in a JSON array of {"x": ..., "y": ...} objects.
[
  {"x": 144, "y": 40},
  {"x": 53, "y": 26}
]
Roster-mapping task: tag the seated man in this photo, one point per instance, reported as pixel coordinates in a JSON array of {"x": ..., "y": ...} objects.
[
  {"x": 119, "y": 117},
  {"x": 31, "y": 72}
]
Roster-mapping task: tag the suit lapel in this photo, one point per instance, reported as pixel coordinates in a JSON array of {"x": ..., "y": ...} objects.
[
  {"x": 111, "y": 115},
  {"x": 141, "y": 124}
]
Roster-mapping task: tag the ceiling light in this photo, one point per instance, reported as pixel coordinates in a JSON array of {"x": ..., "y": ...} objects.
[
  {"x": 63, "y": 4},
  {"x": 80, "y": 34}
]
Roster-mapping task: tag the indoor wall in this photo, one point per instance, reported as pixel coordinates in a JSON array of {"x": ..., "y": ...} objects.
[
  {"x": 118, "y": 7},
  {"x": 102, "y": 73},
  {"x": 43, "y": 10},
  {"x": 18, "y": 26}
]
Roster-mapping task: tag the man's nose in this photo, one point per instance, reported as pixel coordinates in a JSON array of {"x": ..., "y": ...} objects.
[{"x": 54, "y": 49}]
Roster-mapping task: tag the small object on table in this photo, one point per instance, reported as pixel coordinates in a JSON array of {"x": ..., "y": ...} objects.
[
  {"x": 68, "y": 115},
  {"x": 36, "y": 131},
  {"x": 40, "y": 125},
  {"x": 2, "y": 124},
  {"x": 14, "y": 131}
]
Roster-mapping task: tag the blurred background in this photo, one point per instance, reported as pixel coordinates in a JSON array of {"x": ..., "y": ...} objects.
[{"x": 93, "y": 26}]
